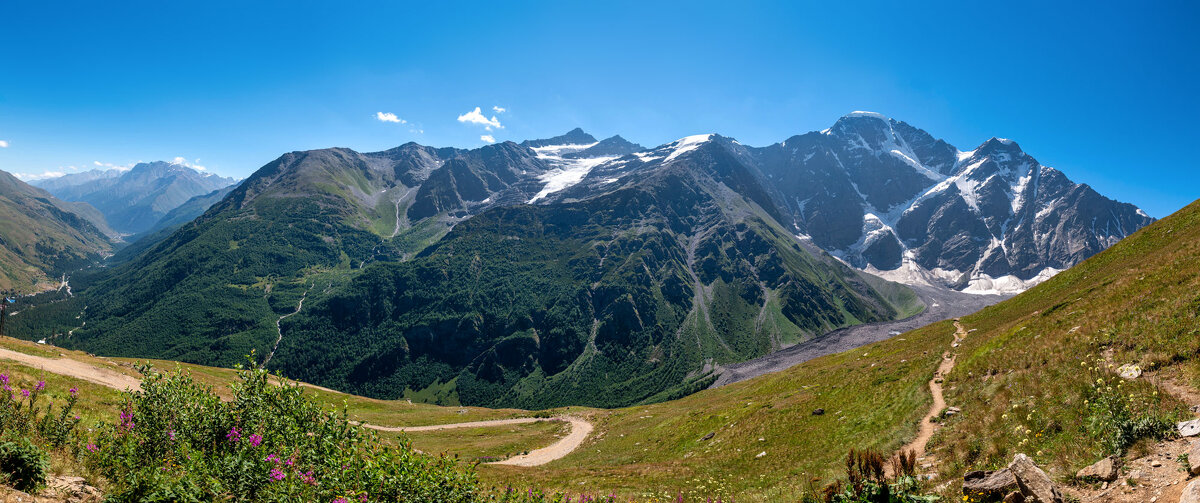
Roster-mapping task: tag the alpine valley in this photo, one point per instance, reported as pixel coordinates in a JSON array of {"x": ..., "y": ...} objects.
[{"x": 568, "y": 270}]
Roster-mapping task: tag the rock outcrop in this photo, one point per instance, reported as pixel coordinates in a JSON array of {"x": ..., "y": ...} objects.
[{"x": 1022, "y": 477}]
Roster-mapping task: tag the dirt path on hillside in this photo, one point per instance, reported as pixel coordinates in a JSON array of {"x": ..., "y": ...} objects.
[
  {"x": 940, "y": 304},
  {"x": 927, "y": 427},
  {"x": 580, "y": 429},
  {"x": 76, "y": 369}
]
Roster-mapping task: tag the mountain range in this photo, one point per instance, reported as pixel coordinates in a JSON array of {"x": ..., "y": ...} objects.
[
  {"x": 572, "y": 270},
  {"x": 42, "y": 237},
  {"x": 133, "y": 201}
]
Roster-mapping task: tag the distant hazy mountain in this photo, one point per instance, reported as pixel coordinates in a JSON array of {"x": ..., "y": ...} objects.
[
  {"x": 134, "y": 201},
  {"x": 42, "y": 237}
]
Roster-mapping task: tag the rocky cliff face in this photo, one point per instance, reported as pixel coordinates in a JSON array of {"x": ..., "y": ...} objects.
[{"x": 890, "y": 198}]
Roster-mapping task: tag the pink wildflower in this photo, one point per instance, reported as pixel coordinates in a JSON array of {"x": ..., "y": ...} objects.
[
  {"x": 278, "y": 474},
  {"x": 255, "y": 439},
  {"x": 234, "y": 435}
]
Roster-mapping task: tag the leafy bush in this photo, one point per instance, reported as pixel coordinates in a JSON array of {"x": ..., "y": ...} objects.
[
  {"x": 1118, "y": 417},
  {"x": 24, "y": 465},
  {"x": 177, "y": 441},
  {"x": 22, "y": 423}
]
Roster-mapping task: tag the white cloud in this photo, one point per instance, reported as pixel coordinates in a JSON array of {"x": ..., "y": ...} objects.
[
  {"x": 184, "y": 162},
  {"x": 109, "y": 165},
  {"x": 476, "y": 117},
  {"x": 488, "y": 138},
  {"x": 3, "y": 144},
  {"x": 499, "y": 110},
  {"x": 29, "y": 177},
  {"x": 389, "y": 117}
]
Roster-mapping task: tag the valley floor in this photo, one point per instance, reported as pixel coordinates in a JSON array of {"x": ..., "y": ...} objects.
[{"x": 940, "y": 304}]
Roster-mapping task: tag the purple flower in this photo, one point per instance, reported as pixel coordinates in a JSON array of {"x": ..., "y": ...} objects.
[
  {"x": 126, "y": 419},
  {"x": 171, "y": 433},
  {"x": 255, "y": 439},
  {"x": 278, "y": 474},
  {"x": 340, "y": 500},
  {"x": 41, "y": 385},
  {"x": 4, "y": 378},
  {"x": 234, "y": 435},
  {"x": 362, "y": 497},
  {"x": 291, "y": 461},
  {"x": 74, "y": 391},
  {"x": 25, "y": 393},
  {"x": 273, "y": 458},
  {"x": 308, "y": 478},
  {"x": 92, "y": 448}
]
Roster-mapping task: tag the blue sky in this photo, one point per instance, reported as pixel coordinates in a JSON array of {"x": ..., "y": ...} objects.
[{"x": 1105, "y": 93}]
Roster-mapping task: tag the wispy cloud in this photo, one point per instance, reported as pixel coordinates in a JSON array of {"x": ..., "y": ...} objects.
[
  {"x": 476, "y": 117},
  {"x": 3, "y": 144},
  {"x": 389, "y": 117},
  {"x": 109, "y": 165},
  {"x": 488, "y": 138},
  {"x": 30, "y": 177},
  {"x": 499, "y": 110},
  {"x": 184, "y": 162}
]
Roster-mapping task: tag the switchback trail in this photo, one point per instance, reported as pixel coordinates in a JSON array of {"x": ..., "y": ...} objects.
[{"x": 580, "y": 429}]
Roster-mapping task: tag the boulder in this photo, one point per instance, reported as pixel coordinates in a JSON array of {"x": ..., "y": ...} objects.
[
  {"x": 1194, "y": 458},
  {"x": 1014, "y": 497},
  {"x": 1191, "y": 493},
  {"x": 989, "y": 485},
  {"x": 1104, "y": 470},
  {"x": 1034, "y": 483},
  {"x": 1189, "y": 428}
]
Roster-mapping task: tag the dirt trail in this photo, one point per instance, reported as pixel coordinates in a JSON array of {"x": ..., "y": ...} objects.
[
  {"x": 927, "y": 427},
  {"x": 76, "y": 369},
  {"x": 580, "y": 429}
]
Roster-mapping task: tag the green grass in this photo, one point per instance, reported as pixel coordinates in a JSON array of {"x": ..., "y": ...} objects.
[
  {"x": 1033, "y": 361},
  {"x": 657, "y": 451}
]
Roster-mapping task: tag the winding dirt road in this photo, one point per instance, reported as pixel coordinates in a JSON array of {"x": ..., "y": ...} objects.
[
  {"x": 76, "y": 369},
  {"x": 580, "y": 429}
]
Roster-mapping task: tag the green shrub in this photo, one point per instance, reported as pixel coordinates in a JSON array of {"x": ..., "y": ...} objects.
[
  {"x": 24, "y": 465},
  {"x": 1118, "y": 417},
  {"x": 177, "y": 441}
]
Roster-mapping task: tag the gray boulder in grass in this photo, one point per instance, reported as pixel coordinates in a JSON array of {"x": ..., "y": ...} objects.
[{"x": 1035, "y": 484}]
